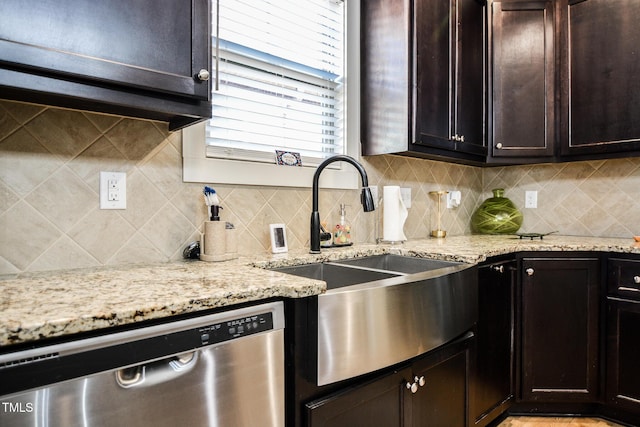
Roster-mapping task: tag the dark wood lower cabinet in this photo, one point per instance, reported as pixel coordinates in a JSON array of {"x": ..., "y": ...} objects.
[
  {"x": 377, "y": 403},
  {"x": 442, "y": 400},
  {"x": 493, "y": 365},
  {"x": 623, "y": 354},
  {"x": 560, "y": 329},
  {"x": 428, "y": 391}
]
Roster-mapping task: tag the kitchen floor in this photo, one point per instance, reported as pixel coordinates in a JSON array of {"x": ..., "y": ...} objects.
[{"x": 556, "y": 422}]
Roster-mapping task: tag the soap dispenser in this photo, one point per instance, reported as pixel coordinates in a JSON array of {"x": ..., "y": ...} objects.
[{"x": 342, "y": 230}]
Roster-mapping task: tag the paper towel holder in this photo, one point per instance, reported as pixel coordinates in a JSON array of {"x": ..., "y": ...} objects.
[{"x": 439, "y": 232}]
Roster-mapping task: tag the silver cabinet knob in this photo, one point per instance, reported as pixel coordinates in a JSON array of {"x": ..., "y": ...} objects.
[
  {"x": 530, "y": 271},
  {"x": 499, "y": 145},
  {"x": 203, "y": 75},
  {"x": 461, "y": 138},
  {"x": 498, "y": 268},
  {"x": 412, "y": 386},
  {"x": 421, "y": 381},
  {"x": 636, "y": 279}
]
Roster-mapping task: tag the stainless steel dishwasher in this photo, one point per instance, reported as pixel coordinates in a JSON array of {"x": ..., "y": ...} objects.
[{"x": 224, "y": 370}]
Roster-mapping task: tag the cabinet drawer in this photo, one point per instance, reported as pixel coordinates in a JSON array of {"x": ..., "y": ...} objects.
[{"x": 624, "y": 278}]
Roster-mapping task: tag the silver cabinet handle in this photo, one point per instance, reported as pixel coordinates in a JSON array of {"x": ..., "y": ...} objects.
[
  {"x": 203, "y": 75},
  {"x": 499, "y": 145},
  {"x": 498, "y": 268},
  {"x": 530, "y": 271},
  {"x": 628, "y": 289},
  {"x": 636, "y": 279}
]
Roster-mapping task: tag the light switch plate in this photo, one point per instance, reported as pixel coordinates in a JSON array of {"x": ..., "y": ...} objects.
[
  {"x": 530, "y": 199},
  {"x": 113, "y": 190}
]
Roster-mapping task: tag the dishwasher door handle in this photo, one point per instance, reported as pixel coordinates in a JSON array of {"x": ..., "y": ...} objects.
[{"x": 160, "y": 371}]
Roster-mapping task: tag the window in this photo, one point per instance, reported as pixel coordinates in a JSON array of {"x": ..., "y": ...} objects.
[
  {"x": 281, "y": 85},
  {"x": 278, "y": 85}
]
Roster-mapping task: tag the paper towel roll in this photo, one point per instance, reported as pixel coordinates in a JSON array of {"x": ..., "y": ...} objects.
[{"x": 395, "y": 214}]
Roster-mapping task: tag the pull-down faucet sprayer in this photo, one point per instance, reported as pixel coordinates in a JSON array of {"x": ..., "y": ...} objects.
[{"x": 365, "y": 197}]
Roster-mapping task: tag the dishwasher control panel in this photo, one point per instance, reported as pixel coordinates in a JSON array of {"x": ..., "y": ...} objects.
[{"x": 236, "y": 328}]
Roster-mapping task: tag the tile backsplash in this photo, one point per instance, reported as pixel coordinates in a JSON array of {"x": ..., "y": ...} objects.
[
  {"x": 50, "y": 219},
  {"x": 592, "y": 198}
]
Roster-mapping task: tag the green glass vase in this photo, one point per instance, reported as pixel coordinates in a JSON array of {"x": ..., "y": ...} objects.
[{"x": 496, "y": 215}]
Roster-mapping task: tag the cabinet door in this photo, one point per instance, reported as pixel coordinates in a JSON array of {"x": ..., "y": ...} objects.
[
  {"x": 141, "y": 44},
  {"x": 492, "y": 372},
  {"x": 601, "y": 76},
  {"x": 434, "y": 68},
  {"x": 522, "y": 54},
  {"x": 449, "y": 80},
  {"x": 441, "y": 401},
  {"x": 470, "y": 85},
  {"x": 376, "y": 404},
  {"x": 132, "y": 58},
  {"x": 623, "y": 354},
  {"x": 560, "y": 339}
]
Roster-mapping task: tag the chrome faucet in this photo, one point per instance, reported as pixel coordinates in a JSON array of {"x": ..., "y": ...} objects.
[{"x": 365, "y": 197}]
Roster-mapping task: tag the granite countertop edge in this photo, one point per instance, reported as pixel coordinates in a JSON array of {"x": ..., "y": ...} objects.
[{"x": 55, "y": 304}]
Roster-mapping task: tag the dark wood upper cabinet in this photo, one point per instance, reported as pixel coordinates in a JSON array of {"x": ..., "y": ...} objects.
[
  {"x": 423, "y": 78},
  {"x": 522, "y": 81},
  {"x": 514, "y": 82},
  {"x": 449, "y": 81},
  {"x": 141, "y": 59},
  {"x": 600, "y": 66}
]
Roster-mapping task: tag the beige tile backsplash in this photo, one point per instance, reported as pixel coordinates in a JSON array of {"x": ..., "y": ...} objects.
[{"x": 50, "y": 219}]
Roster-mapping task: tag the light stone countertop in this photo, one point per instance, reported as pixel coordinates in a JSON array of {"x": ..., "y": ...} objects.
[{"x": 55, "y": 304}]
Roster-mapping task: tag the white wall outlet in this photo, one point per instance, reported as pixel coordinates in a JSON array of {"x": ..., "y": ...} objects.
[
  {"x": 405, "y": 193},
  {"x": 453, "y": 199},
  {"x": 530, "y": 199},
  {"x": 113, "y": 190}
]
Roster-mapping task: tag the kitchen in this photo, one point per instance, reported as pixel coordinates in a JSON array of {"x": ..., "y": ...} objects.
[{"x": 51, "y": 221}]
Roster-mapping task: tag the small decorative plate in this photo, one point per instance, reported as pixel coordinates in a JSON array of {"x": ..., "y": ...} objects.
[
  {"x": 288, "y": 158},
  {"x": 534, "y": 235}
]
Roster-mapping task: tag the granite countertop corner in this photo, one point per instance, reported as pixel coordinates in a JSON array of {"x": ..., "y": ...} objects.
[{"x": 62, "y": 303}]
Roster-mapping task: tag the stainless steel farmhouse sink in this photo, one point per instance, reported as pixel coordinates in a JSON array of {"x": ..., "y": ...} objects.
[
  {"x": 335, "y": 274},
  {"x": 384, "y": 309},
  {"x": 398, "y": 263}
]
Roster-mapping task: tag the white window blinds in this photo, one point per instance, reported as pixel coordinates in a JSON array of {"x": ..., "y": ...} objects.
[{"x": 279, "y": 79}]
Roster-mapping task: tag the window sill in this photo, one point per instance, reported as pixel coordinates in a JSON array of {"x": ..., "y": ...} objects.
[{"x": 199, "y": 168}]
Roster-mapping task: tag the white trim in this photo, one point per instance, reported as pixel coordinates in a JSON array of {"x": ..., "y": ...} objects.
[{"x": 198, "y": 168}]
